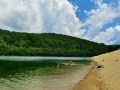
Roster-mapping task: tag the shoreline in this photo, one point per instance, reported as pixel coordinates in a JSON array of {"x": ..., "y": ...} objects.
[
  {"x": 92, "y": 80},
  {"x": 106, "y": 78}
]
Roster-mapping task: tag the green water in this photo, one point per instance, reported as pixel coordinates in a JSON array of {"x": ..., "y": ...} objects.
[{"x": 41, "y": 74}]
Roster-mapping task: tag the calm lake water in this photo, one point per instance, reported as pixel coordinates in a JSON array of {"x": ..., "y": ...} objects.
[
  {"x": 29, "y": 58},
  {"x": 41, "y": 73}
]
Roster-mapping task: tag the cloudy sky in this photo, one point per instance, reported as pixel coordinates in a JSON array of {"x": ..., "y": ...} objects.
[{"x": 95, "y": 20}]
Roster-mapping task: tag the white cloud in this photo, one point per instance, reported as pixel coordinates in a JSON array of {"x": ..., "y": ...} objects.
[
  {"x": 38, "y": 16},
  {"x": 110, "y": 36},
  {"x": 58, "y": 16},
  {"x": 99, "y": 2},
  {"x": 19, "y": 16},
  {"x": 98, "y": 18}
]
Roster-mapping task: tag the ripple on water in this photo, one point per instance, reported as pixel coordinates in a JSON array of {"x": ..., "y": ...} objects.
[{"x": 33, "y": 80}]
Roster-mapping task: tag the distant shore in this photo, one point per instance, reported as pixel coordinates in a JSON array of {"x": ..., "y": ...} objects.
[{"x": 106, "y": 78}]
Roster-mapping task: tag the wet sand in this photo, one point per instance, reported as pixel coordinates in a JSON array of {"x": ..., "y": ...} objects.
[{"x": 107, "y": 78}]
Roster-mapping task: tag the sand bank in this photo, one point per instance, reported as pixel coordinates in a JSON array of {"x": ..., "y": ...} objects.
[{"x": 107, "y": 78}]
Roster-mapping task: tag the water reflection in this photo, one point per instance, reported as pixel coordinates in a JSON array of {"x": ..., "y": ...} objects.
[{"x": 35, "y": 75}]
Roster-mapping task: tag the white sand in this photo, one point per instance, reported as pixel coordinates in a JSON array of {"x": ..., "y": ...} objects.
[
  {"x": 111, "y": 71},
  {"x": 107, "y": 78}
]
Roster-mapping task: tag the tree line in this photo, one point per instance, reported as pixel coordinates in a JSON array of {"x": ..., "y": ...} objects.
[{"x": 49, "y": 44}]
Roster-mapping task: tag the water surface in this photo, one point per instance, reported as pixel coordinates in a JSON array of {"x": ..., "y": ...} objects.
[
  {"x": 29, "y": 58},
  {"x": 31, "y": 73}
]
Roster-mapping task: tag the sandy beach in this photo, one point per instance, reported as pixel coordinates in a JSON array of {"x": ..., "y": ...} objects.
[{"x": 107, "y": 78}]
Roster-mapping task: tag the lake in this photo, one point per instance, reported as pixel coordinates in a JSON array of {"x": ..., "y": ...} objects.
[
  {"x": 41, "y": 73},
  {"x": 30, "y": 58}
]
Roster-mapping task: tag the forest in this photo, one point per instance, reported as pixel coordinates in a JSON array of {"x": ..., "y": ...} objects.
[{"x": 49, "y": 44}]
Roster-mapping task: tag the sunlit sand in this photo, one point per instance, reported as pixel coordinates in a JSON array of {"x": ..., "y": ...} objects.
[{"x": 107, "y": 78}]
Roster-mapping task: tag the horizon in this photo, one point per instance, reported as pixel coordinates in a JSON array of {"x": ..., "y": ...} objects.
[{"x": 66, "y": 17}]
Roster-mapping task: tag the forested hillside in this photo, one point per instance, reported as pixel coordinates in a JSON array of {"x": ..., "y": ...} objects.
[{"x": 49, "y": 44}]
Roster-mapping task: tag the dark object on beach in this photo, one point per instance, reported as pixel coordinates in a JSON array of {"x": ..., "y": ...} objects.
[
  {"x": 100, "y": 66},
  {"x": 116, "y": 60},
  {"x": 103, "y": 60}
]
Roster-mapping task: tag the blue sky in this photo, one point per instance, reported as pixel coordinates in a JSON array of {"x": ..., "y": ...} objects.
[
  {"x": 88, "y": 5},
  {"x": 95, "y": 20},
  {"x": 83, "y": 5}
]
